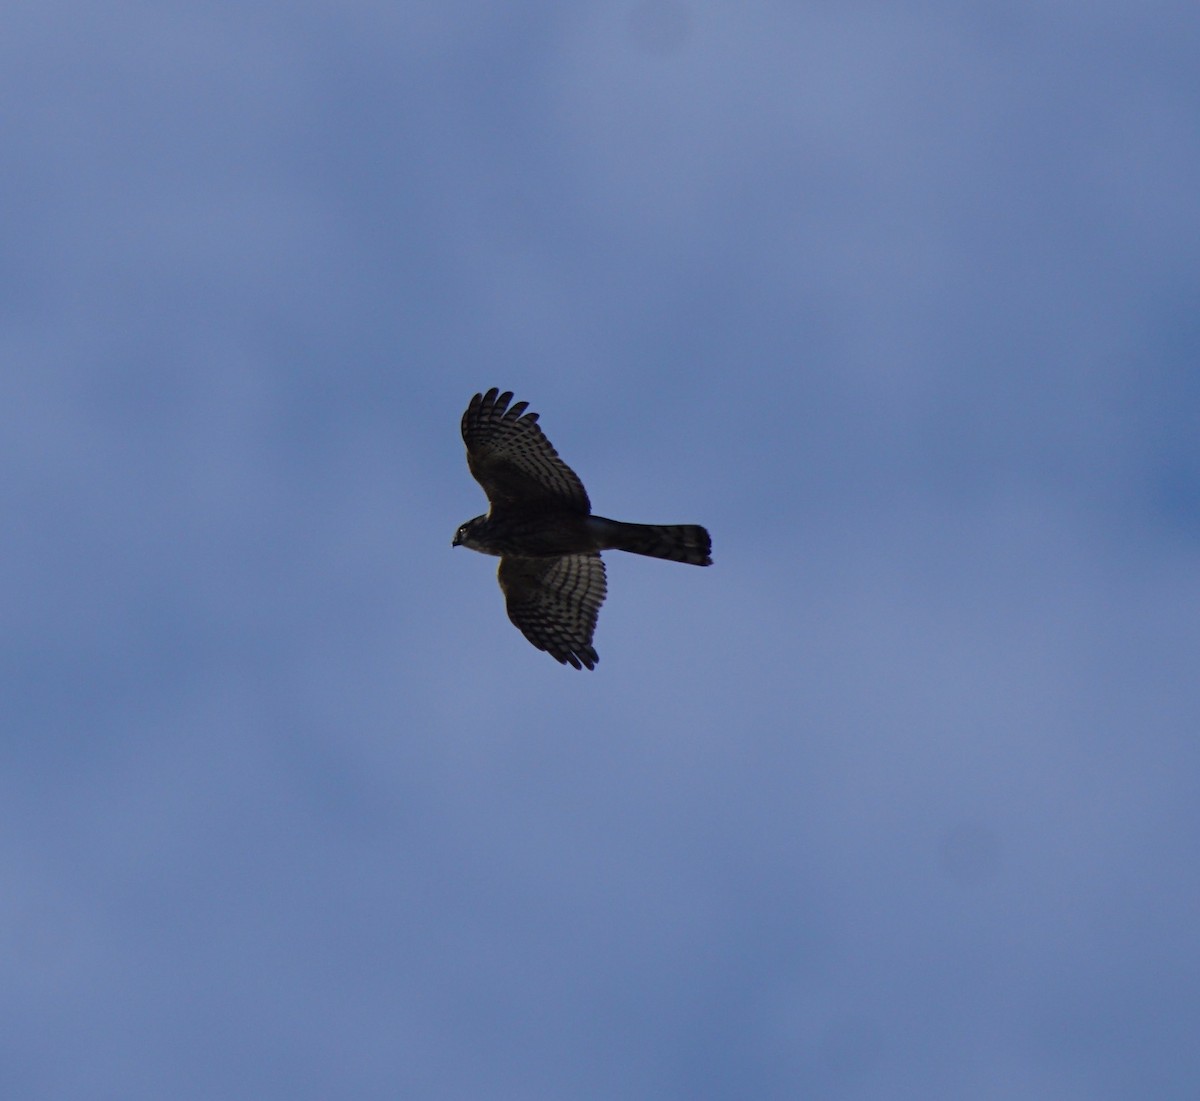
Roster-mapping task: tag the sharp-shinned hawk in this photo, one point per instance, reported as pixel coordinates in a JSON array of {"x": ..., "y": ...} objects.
[{"x": 541, "y": 527}]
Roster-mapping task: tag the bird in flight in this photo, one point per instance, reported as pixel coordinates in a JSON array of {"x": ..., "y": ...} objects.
[{"x": 540, "y": 525}]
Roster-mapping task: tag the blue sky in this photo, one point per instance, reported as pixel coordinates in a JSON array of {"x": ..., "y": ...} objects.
[{"x": 898, "y": 800}]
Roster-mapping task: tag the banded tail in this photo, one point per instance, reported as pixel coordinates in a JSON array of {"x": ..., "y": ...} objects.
[{"x": 675, "y": 542}]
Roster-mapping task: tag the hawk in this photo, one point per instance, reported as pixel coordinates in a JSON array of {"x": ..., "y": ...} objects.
[{"x": 540, "y": 525}]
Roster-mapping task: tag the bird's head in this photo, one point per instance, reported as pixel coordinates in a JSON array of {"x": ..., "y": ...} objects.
[{"x": 469, "y": 534}]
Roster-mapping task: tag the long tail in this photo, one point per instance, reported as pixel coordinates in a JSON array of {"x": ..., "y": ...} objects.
[{"x": 676, "y": 542}]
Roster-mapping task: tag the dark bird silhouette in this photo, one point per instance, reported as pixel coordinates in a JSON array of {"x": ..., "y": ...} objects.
[{"x": 541, "y": 526}]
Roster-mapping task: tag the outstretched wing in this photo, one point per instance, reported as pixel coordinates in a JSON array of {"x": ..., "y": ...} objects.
[
  {"x": 554, "y": 603},
  {"x": 514, "y": 462}
]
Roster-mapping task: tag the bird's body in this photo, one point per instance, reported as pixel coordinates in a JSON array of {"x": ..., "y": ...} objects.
[
  {"x": 541, "y": 526},
  {"x": 554, "y": 534}
]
